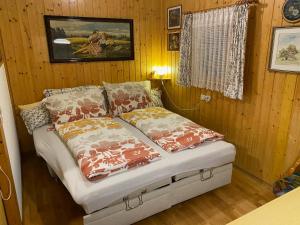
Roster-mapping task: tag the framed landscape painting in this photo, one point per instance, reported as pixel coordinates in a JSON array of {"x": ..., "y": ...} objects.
[
  {"x": 77, "y": 39},
  {"x": 285, "y": 52}
]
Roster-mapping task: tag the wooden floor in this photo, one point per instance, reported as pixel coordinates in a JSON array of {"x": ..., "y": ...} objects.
[{"x": 47, "y": 202}]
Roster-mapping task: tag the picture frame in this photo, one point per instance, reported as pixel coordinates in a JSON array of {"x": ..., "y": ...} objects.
[
  {"x": 174, "y": 17},
  {"x": 174, "y": 41},
  {"x": 291, "y": 11},
  {"x": 285, "y": 50},
  {"x": 84, "y": 39}
]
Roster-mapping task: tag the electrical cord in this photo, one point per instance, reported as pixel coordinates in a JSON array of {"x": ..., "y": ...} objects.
[
  {"x": 174, "y": 104},
  {"x": 9, "y": 183}
]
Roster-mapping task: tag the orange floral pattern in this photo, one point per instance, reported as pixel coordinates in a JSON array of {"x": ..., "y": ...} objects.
[
  {"x": 103, "y": 147},
  {"x": 169, "y": 130},
  {"x": 126, "y": 97},
  {"x": 77, "y": 105}
]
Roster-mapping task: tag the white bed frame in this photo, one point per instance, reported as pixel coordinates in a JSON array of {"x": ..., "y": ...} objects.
[{"x": 134, "y": 209}]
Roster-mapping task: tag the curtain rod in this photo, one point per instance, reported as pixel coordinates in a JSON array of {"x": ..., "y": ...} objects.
[{"x": 241, "y": 2}]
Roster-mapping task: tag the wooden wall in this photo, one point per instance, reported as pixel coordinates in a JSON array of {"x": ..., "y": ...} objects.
[
  {"x": 1, "y": 50},
  {"x": 265, "y": 125},
  {"x": 26, "y": 50}
]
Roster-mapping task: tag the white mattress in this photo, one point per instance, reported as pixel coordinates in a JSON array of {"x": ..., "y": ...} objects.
[{"x": 97, "y": 195}]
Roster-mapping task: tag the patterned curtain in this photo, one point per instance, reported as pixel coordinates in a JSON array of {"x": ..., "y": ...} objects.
[
  {"x": 213, "y": 47},
  {"x": 234, "y": 77},
  {"x": 185, "y": 65}
]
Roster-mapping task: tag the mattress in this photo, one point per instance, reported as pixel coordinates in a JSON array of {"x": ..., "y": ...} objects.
[{"x": 99, "y": 194}]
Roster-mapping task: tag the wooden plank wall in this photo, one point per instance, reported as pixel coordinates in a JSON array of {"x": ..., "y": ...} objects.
[
  {"x": 26, "y": 50},
  {"x": 265, "y": 125},
  {"x": 1, "y": 50}
]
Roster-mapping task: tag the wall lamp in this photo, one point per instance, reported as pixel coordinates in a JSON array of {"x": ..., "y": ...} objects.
[{"x": 161, "y": 73}]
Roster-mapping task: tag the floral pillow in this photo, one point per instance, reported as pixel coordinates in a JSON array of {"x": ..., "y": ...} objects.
[
  {"x": 155, "y": 96},
  {"x": 50, "y": 92},
  {"x": 125, "y": 97},
  {"x": 76, "y": 105},
  {"x": 34, "y": 115}
]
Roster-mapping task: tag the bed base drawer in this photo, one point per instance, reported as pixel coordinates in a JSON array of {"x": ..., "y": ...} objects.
[
  {"x": 148, "y": 204},
  {"x": 203, "y": 171},
  {"x": 196, "y": 185},
  {"x": 132, "y": 210},
  {"x": 147, "y": 189}
]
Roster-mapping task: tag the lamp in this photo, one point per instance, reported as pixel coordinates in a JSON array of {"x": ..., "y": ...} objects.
[{"x": 161, "y": 72}]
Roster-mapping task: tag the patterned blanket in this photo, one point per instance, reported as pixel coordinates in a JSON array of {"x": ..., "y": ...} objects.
[
  {"x": 169, "y": 130},
  {"x": 103, "y": 147}
]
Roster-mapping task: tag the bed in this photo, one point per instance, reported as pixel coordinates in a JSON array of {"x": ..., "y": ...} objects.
[{"x": 141, "y": 192}]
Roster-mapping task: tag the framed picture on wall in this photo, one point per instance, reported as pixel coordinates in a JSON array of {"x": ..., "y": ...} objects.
[
  {"x": 285, "y": 52},
  {"x": 173, "y": 41},
  {"x": 77, "y": 39},
  {"x": 174, "y": 17}
]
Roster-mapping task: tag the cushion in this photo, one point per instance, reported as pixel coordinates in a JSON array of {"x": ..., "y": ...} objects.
[
  {"x": 155, "y": 96},
  {"x": 34, "y": 115},
  {"x": 50, "y": 92},
  {"x": 125, "y": 97},
  {"x": 286, "y": 184},
  {"x": 145, "y": 83},
  {"x": 76, "y": 105}
]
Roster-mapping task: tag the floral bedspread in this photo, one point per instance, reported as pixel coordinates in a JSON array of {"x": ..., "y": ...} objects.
[
  {"x": 104, "y": 147},
  {"x": 169, "y": 130}
]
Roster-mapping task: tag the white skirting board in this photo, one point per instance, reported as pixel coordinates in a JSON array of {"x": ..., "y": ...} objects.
[{"x": 162, "y": 198}]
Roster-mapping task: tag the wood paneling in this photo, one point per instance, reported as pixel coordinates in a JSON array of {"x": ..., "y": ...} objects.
[
  {"x": 47, "y": 202},
  {"x": 265, "y": 125},
  {"x": 1, "y": 57},
  {"x": 3, "y": 220},
  {"x": 26, "y": 50}
]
